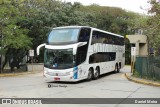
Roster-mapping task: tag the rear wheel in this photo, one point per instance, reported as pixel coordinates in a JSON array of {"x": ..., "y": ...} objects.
[
  {"x": 116, "y": 68},
  {"x": 96, "y": 74},
  {"x": 90, "y": 74}
]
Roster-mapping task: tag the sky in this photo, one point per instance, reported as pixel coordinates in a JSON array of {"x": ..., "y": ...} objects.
[{"x": 138, "y": 6}]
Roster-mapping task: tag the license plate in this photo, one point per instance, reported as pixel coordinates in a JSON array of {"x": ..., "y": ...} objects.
[{"x": 56, "y": 79}]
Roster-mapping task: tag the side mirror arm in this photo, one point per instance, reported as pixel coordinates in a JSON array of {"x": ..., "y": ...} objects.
[{"x": 39, "y": 47}]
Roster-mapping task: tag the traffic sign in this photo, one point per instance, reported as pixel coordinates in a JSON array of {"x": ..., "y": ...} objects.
[
  {"x": 133, "y": 51},
  {"x": 31, "y": 52}
]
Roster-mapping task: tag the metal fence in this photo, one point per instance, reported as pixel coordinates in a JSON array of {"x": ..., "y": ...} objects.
[{"x": 148, "y": 66}]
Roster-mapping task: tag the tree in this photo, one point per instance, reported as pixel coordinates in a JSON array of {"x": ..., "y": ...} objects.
[
  {"x": 153, "y": 23},
  {"x": 14, "y": 36},
  {"x": 26, "y": 23}
]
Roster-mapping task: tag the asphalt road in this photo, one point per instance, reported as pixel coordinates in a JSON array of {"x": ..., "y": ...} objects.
[{"x": 111, "y": 85}]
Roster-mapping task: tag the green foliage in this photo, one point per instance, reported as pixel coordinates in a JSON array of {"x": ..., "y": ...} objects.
[
  {"x": 13, "y": 36},
  {"x": 153, "y": 23},
  {"x": 127, "y": 51},
  {"x": 136, "y": 73},
  {"x": 150, "y": 25}
]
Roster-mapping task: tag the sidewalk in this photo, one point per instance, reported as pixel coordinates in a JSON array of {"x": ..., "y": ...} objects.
[
  {"x": 32, "y": 69},
  {"x": 141, "y": 80},
  {"x": 18, "y": 73}
]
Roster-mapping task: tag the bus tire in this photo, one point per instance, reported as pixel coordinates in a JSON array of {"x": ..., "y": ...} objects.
[
  {"x": 97, "y": 73},
  {"x": 90, "y": 74},
  {"x": 120, "y": 65},
  {"x": 116, "y": 68}
]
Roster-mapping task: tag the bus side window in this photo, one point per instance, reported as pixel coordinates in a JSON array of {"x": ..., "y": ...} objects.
[
  {"x": 94, "y": 38},
  {"x": 109, "y": 39}
]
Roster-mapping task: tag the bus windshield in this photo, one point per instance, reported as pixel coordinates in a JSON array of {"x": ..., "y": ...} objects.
[
  {"x": 59, "y": 58},
  {"x": 63, "y": 35}
]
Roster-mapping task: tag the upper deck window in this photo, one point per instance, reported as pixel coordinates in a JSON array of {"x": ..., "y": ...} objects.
[{"x": 63, "y": 35}]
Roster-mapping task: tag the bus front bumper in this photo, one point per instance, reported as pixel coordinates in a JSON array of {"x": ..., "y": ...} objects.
[{"x": 68, "y": 78}]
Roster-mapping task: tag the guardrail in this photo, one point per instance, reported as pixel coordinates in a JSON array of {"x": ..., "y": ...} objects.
[{"x": 148, "y": 66}]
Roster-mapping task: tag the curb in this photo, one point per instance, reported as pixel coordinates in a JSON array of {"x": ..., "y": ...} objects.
[
  {"x": 141, "y": 81},
  {"x": 18, "y": 74}
]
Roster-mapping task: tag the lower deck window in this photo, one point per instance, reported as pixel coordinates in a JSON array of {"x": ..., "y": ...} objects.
[{"x": 102, "y": 57}]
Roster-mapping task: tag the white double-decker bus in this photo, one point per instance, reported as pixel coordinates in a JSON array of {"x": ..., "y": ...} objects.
[{"x": 74, "y": 53}]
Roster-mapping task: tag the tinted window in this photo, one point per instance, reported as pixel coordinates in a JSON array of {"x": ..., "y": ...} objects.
[
  {"x": 81, "y": 54},
  {"x": 84, "y": 35},
  {"x": 82, "y": 51},
  {"x": 100, "y": 37},
  {"x": 63, "y": 35},
  {"x": 58, "y": 59},
  {"x": 102, "y": 57}
]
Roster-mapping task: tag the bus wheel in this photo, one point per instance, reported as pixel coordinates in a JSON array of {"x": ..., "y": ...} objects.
[
  {"x": 116, "y": 68},
  {"x": 96, "y": 74},
  {"x": 90, "y": 74}
]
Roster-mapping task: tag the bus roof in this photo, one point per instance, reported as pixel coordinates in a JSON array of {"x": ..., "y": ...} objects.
[
  {"x": 63, "y": 27},
  {"x": 70, "y": 27}
]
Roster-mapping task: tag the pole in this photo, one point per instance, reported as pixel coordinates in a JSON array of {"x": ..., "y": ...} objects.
[
  {"x": 1, "y": 61},
  {"x": 31, "y": 54},
  {"x": 32, "y": 63},
  {"x": 1, "y": 50}
]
